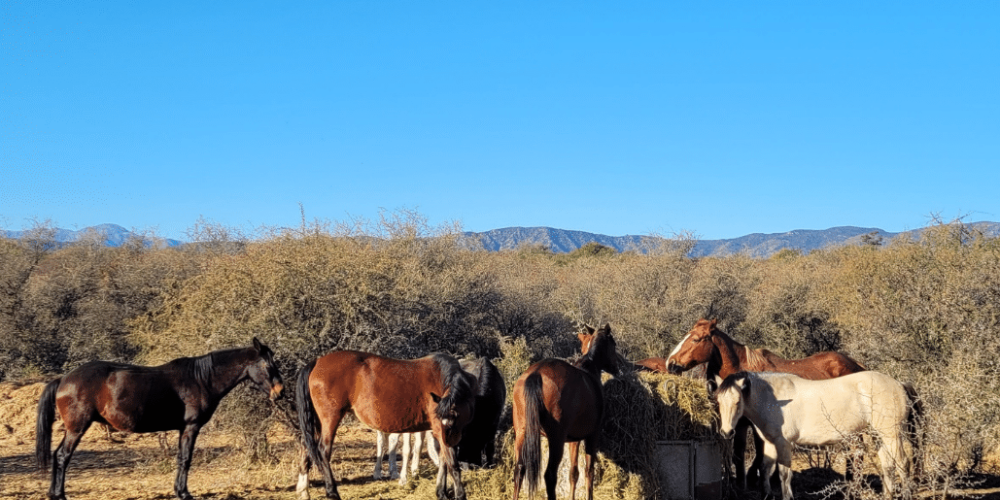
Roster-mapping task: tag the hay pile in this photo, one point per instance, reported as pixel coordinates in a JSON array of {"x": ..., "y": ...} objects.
[
  {"x": 640, "y": 409},
  {"x": 18, "y": 410}
]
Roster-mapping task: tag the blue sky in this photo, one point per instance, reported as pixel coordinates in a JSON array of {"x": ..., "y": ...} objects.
[{"x": 718, "y": 118}]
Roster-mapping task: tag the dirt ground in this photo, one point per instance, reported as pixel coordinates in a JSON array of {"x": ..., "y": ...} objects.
[{"x": 143, "y": 466}]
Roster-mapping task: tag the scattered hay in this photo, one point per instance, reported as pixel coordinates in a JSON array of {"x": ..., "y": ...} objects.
[{"x": 18, "y": 411}]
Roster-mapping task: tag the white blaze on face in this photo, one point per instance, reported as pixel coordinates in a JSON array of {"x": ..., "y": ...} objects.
[
  {"x": 679, "y": 344},
  {"x": 730, "y": 403}
]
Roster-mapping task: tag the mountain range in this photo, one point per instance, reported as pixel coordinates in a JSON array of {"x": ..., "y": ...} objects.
[{"x": 563, "y": 240}]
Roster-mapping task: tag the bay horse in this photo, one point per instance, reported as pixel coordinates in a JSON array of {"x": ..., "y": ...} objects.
[
  {"x": 180, "y": 395},
  {"x": 723, "y": 356},
  {"x": 565, "y": 402},
  {"x": 790, "y": 410},
  {"x": 390, "y": 395}
]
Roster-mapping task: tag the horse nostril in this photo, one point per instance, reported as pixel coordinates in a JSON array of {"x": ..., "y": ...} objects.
[{"x": 727, "y": 434}]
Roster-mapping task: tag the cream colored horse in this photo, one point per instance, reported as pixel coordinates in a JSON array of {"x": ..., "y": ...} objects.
[{"x": 789, "y": 410}]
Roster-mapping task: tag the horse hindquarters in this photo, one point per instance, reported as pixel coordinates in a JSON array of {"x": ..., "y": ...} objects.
[
  {"x": 311, "y": 428},
  {"x": 528, "y": 439}
]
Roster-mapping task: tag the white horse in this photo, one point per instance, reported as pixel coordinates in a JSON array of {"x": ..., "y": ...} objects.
[
  {"x": 393, "y": 443},
  {"x": 788, "y": 410}
]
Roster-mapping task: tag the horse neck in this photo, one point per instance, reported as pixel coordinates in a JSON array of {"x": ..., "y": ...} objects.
[
  {"x": 729, "y": 357},
  {"x": 589, "y": 365},
  {"x": 221, "y": 371}
]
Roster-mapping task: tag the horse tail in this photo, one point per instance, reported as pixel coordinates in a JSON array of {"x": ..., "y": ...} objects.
[
  {"x": 915, "y": 425},
  {"x": 43, "y": 425},
  {"x": 309, "y": 422},
  {"x": 531, "y": 447}
]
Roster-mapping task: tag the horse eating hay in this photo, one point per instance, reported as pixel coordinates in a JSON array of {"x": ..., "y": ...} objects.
[
  {"x": 564, "y": 402},
  {"x": 390, "y": 395},
  {"x": 180, "y": 395},
  {"x": 789, "y": 410}
]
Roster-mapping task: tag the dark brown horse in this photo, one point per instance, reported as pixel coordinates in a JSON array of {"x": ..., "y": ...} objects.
[
  {"x": 705, "y": 343},
  {"x": 478, "y": 445},
  {"x": 656, "y": 365},
  {"x": 180, "y": 395},
  {"x": 565, "y": 402},
  {"x": 390, "y": 395}
]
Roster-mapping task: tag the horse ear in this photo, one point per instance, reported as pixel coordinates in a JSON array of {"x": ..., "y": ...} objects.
[
  {"x": 606, "y": 327},
  {"x": 257, "y": 345},
  {"x": 745, "y": 386},
  {"x": 436, "y": 398},
  {"x": 590, "y": 329},
  {"x": 714, "y": 321}
]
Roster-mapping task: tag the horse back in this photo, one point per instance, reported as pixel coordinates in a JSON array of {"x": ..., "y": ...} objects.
[
  {"x": 127, "y": 397},
  {"x": 819, "y": 366},
  {"x": 390, "y": 395},
  {"x": 572, "y": 398}
]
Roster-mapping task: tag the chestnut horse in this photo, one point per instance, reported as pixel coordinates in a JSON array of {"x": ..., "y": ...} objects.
[
  {"x": 389, "y": 395},
  {"x": 705, "y": 343},
  {"x": 565, "y": 402},
  {"x": 180, "y": 395}
]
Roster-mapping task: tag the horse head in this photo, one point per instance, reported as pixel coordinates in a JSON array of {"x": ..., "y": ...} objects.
[
  {"x": 600, "y": 348},
  {"x": 263, "y": 371},
  {"x": 731, "y": 396},
  {"x": 695, "y": 348},
  {"x": 457, "y": 406}
]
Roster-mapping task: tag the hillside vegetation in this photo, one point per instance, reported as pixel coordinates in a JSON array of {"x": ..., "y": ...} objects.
[{"x": 924, "y": 310}]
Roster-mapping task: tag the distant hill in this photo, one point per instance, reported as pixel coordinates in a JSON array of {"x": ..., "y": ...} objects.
[
  {"x": 754, "y": 245},
  {"x": 113, "y": 235},
  {"x": 563, "y": 240}
]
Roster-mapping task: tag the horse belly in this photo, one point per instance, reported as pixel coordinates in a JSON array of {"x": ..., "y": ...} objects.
[{"x": 132, "y": 406}]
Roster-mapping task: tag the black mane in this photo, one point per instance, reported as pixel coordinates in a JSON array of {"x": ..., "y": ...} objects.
[{"x": 456, "y": 382}]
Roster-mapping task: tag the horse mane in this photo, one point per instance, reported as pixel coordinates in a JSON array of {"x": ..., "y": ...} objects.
[
  {"x": 730, "y": 381},
  {"x": 202, "y": 368},
  {"x": 756, "y": 359},
  {"x": 456, "y": 382}
]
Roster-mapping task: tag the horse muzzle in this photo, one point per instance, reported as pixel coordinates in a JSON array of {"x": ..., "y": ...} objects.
[
  {"x": 674, "y": 368},
  {"x": 727, "y": 434},
  {"x": 277, "y": 390}
]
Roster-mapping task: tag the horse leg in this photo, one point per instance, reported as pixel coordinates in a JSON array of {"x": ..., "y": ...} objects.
[
  {"x": 519, "y": 469},
  {"x": 432, "y": 450},
  {"x": 782, "y": 451},
  {"x": 74, "y": 431},
  {"x": 552, "y": 468},
  {"x": 393, "y": 465},
  {"x": 889, "y": 458},
  {"x": 379, "y": 438},
  {"x": 770, "y": 460},
  {"x": 449, "y": 467},
  {"x": 406, "y": 457},
  {"x": 302, "y": 485},
  {"x": 574, "y": 472},
  {"x": 184, "y": 451},
  {"x": 327, "y": 435},
  {"x": 590, "y": 448},
  {"x": 739, "y": 452}
]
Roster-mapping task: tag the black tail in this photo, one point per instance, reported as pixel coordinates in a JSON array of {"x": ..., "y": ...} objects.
[
  {"x": 531, "y": 447},
  {"x": 915, "y": 427},
  {"x": 43, "y": 426},
  {"x": 309, "y": 423}
]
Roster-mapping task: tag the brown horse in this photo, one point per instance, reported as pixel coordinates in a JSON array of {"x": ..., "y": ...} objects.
[
  {"x": 180, "y": 395},
  {"x": 390, "y": 395},
  {"x": 705, "y": 343},
  {"x": 565, "y": 402},
  {"x": 656, "y": 365}
]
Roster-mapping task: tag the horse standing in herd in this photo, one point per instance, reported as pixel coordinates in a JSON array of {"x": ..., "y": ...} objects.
[
  {"x": 706, "y": 343},
  {"x": 790, "y": 410},
  {"x": 565, "y": 402},
  {"x": 390, "y": 395},
  {"x": 180, "y": 395}
]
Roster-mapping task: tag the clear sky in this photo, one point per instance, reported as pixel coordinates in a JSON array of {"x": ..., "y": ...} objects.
[{"x": 718, "y": 118}]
